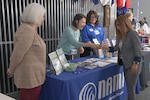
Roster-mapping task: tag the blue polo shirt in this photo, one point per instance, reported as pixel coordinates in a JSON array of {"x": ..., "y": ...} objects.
[{"x": 89, "y": 32}]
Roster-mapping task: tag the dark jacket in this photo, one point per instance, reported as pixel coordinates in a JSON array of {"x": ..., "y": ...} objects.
[{"x": 131, "y": 49}]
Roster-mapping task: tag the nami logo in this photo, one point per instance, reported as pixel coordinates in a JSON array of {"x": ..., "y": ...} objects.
[{"x": 88, "y": 92}]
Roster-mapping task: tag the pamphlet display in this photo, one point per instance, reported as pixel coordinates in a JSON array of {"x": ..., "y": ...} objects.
[
  {"x": 62, "y": 58},
  {"x": 59, "y": 62},
  {"x": 55, "y": 62}
]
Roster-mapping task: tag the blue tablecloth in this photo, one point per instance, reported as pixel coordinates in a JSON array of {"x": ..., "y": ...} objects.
[{"x": 104, "y": 83}]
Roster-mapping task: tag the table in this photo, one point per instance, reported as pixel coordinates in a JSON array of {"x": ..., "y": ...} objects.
[
  {"x": 145, "y": 73},
  {"x": 105, "y": 83}
]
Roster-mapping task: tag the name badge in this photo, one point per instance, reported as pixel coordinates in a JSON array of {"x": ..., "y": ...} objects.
[
  {"x": 96, "y": 32},
  {"x": 91, "y": 30}
]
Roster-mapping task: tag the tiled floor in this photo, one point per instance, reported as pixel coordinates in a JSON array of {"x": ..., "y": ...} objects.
[{"x": 144, "y": 95}]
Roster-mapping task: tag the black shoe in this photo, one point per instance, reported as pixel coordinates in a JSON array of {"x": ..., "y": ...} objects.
[
  {"x": 146, "y": 85},
  {"x": 142, "y": 88}
]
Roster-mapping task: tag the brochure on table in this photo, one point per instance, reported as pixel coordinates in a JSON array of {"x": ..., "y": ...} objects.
[
  {"x": 62, "y": 58},
  {"x": 58, "y": 60},
  {"x": 55, "y": 62}
]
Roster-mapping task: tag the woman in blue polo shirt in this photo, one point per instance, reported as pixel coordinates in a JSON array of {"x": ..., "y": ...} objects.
[{"x": 91, "y": 32}]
